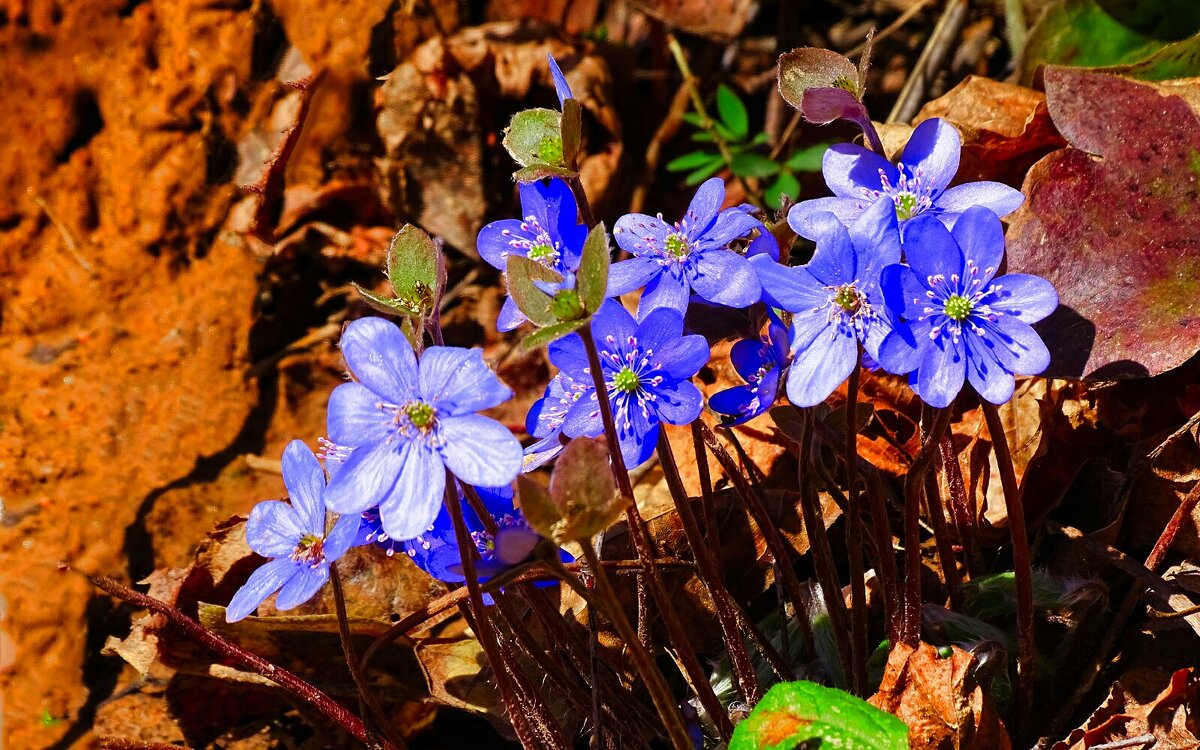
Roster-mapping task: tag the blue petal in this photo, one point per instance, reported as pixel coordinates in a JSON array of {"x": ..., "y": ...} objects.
[
  {"x": 354, "y": 417},
  {"x": 801, "y": 216},
  {"x": 942, "y": 371},
  {"x": 850, "y": 168},
  {"x": 876, "y": 237},
  {"x": 342, "y": 536},
  {"x": 514, "y": 544},
  {"x": 510, "y": 316},
  {"x": 823, "y": 366},
  {"x": 381, "y": 358},
  {"x": 683, "y": 357},
  {"x": 479, "y": 450},
  {"x": 747, "y": 356},
  {"x": 457, "y": 381},
  {"x": 542, "y": 452},
  {"x": 980, "y": 237},
  {"x": 413, "y": 502},
  {"x": 835, "y": 260},
  {"x": 807, "y": 326},
  {"x": 702, "y": 211},
  {"x": 1017, "y": 346},
  {"x": 560, "y": 81},
  {"x": 764, "y": 244},
  {"x": 789, "y": 288},
  {"x": 678, "y": 405},
  {"x": 569, "y": 355},
  {"x": 552, "y": 204},
  {"x": 612, "y": 327},
  {"x": 929, "y": 248},
  {"x": 996, "y": 196},
  {"x": 262, "y": 583},
  {"x": 631, "y": 274},
  {"x": 583, "y": 418},
  {"x": 1023, "y": 296},
  {"x": 987, "y": 376},
  {"x": 305, "y": 482},
  {"x": 493, "y": 241},
  {"x": 899, "y": 352},
  {"x": 307, "y": 581},
  {"x": 726, "y": 278},
  {"x": 367, "y": 477},
  {"x": 658, "y": 329},
  {"x": 733, "y": 401},
  {"x": 933, "y": 149},
  {"x": 877, "y": 330},
  {"x": 640, "y": 234},
  {"x": 731, "y": 224},
  {"x": 639, "y": 441},
  {"x": 666, "y": 290},
  {"x": 274, "y": 529}
]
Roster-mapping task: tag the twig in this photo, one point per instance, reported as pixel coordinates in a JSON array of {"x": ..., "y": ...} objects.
[
  {"x": 68, "y": 236},
  {"x": 908, "y": 14},
  {"x": 930, "y": 62},
  {"x": 854, "y": 535},
  {"x": 914, "y": 484},
  {"x": 309, "y": 693}
]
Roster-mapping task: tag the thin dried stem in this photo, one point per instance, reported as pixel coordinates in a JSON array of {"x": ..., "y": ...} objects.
[
  {"x": 854, "y": 540},
  {"x": 914, "y": 484}
]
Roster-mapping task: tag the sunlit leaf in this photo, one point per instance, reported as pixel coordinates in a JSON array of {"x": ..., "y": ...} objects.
[
  {"x": 533, "y": 302},
  {"x": 792, "y": 714}
]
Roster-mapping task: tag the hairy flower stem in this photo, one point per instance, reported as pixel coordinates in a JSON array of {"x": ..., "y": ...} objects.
[
  {"x": 581, "y": 199},
  {"x": 1022, "y": 566},
  {"x": 709, "y": 506},
  {"x": 774, "y": 540},
  {"x": 961, "y": 506},
  {"x": 660, "y": 694},
  {"x": 509, "y": 678},
  {"x": 943, "y": 539},
  {"x": 366, "y": 697},
  {"x": 818, "y": 544},
  {"x": 854, "y": 537},
  {"x": 310, "y": 694},
  {"x": 710, "y": 576},
  {"x": 887, "y": 556},
  {"x": 638, "y": 534},
  {"x": 914, "y": 484}
]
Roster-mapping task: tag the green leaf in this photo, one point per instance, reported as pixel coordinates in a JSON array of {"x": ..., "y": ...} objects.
[
  {"x": 533, "y": 302},
  {"x": 785, "y": 184},
  {"x": 534, "y": 137},
  {"x": 385, "y": 305},
  {"x": 811, "y": 68},
  {"x": 1176, "y": 60},
  {"x": 592, "y": 277},
  {"x": 807, "y": 159},
  {"x": 582, "y": 499},
  {"x": 550, "y": 333},
  {"x": 723, "y": 132},
  {"x": 794, "y": 713},
  {"x": 572, "y": 130},
  {"x": 412, "y": 269},
  {"x": 1082, "y": 34},
  {"x": 704, "y": 172},
  {"x": 535, "y": 172},
  {"x": 693, "y": 118},
  {"x": 733, "y": 113},
  {"x": 703, "y": 136},
  {"x": 759, "y": 139},
  {"x": 750, "y": 164},
  {"x": 690, "y": 161}
]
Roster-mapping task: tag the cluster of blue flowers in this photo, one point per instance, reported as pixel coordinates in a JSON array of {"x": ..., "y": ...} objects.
[{"x": 904, "y": 278}]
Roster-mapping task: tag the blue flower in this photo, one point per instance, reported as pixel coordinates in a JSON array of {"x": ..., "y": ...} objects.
[
  {"x": 954, "y": 320},
  {"x": 546, "y": 417},
  {"x": 672, "y": 261},
  {"x": 835, "y": 299},
  {"x": 550, "y": 234},
  {"x": 647, "y": 368},
  {"x": 560, "y": 81},
  {"x": 917, "y": 186},
  {"x": 407, "y": 423},
  {"x": 759, "y": 361},
  {"x": 370, "y": 531},
  {"x": 294, "y": 537}
]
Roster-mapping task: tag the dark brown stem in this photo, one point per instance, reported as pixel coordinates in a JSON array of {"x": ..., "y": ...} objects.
[
  {"x": 1022, "y": 566},
  {"x": 818, "y": 544},
  {"x": 639, "y": 536},
  {"x": 961, "y": 506},
  {"x": 854, "y": 543},
  {"x": 775, "y": 544},
  {"x": 507, "y": 682},
  {"x": 659, "y": 692},
  {"x": 710, "y": 576},
  {"x": 885, "y": 552},
  {"x": 709, "y": 506},
  {"x": 942, "y": 538},
  {"x": 914, "y": 483},
  {"x": 310, "y": 694},
  {"x": 366, "y": 697},
  {"x": 581, "y": 199}
]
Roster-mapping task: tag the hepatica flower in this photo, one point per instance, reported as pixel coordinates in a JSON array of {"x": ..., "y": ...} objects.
[
  {"x": 647, "y": 369},
  {"x": 759, "y": 361},
  {"x": 549, "y": 233},
  {"x": 835, "y": 299},
  {"x": 956, "y": 319},
  {"x": 916, "y": 186},
  {"x": 546, "y": 417},
  {"x": 293, "y": 535},
  {"x": 407, "y": 423},
  {"x": 692, "y": 255}
]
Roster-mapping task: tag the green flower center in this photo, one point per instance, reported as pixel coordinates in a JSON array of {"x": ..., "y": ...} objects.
[
  {"x": 677, "y": 245},
  {"x": 626, "y": 380},
  {"x": 542, "y": 253},
  {"x": 848, "y": 298},
  {"x": 310, "y": 548},
  {"x": 906, "y": 204},
  {"x": 550, "y": 150},
  {"x": 420, "y": 414},
  {"x": 958, "y": 307}
]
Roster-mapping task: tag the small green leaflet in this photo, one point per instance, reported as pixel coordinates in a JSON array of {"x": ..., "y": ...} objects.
[
  {"x": 733, "y": 113},
  {"x": 795, "y": 712}
]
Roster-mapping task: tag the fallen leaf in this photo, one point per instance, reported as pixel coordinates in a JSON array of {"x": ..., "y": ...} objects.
[
  {"x": 1113, "y": 221},
  {"x": 1144, "y": 702}
]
